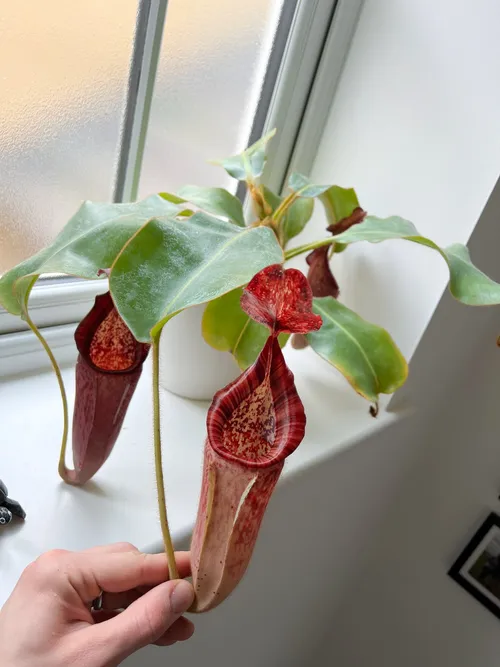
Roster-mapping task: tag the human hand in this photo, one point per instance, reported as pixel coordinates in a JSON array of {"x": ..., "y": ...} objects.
[{"x": 48, "y": 622}]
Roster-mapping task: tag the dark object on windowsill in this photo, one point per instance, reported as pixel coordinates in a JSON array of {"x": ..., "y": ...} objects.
[{"x": 8, "y": 507}]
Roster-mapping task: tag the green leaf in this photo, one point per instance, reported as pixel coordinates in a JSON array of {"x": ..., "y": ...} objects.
[
  {"x": 248, "y": 165},
  {"x": 218, "y": 201},
  {"x": 467, "y": 283},
  {"x": 379, "y": 229},
  {"x": 364, "y": 353},
  {"x": 90, "y": 241},
  {"x": 271, "y": 198},
  {"x": 339, "y": 203},
  {"x": 168, "y": 266},
  {"x": 296, "y": 218},
  {"x": 303, "y": 187},
  {"x": 175, "y": 199},
  {"x": 226, "y": 327}
]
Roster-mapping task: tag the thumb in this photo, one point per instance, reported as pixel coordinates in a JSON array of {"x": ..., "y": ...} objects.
[{"x": 145, "y": 621}]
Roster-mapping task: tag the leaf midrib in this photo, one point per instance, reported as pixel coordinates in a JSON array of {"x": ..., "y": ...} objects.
[
  {"x": 205, "y": 266},
  {"x": 349, "y": 335},
  {"x": 112, "y": 220}
]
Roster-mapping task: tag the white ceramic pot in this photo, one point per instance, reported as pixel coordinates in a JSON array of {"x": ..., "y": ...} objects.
[{"x": 189, "y": 367}]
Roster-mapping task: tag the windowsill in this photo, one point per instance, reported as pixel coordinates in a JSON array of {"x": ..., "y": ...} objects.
[
  {"x": 56, "y": 301},
  {"x": 120, "y": 503}
]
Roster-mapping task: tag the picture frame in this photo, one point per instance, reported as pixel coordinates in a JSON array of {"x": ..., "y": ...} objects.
[{"x": 477, "y": 569}]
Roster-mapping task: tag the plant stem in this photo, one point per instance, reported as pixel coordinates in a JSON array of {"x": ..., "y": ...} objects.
[
  {"x": 160, "y": 485},
  {"x": 260, "y": 205},
  {"x": 63, "y": 472},
  {"x": 282, "y": 208},
  {"x": 293, "y": 252}
]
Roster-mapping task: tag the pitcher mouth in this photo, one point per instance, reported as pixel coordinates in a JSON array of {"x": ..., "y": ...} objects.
[
  {"x": 86, "y": 331},
  {"x": 258, "y": 420}
]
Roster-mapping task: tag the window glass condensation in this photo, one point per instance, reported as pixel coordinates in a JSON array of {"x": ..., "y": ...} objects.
[
  {"x": 63, "y": 73},
  {"x": 212, "y": 64}
]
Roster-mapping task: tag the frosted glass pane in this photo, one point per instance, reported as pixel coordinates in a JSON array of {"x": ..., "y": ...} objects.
[
  {"x": 63, "y": 75},
  {"x": 212, "y": 64}
]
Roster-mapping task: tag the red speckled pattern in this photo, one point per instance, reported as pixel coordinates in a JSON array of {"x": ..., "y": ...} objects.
[
  {"x": 249, "y": 434},
  {"x": 113, "y": 346},
  {"x": 275, "y": 424},
  {"x": 253, "y": 424},
  {"x": 282, "y": 300},
  {"x": 103, "y": 394}
]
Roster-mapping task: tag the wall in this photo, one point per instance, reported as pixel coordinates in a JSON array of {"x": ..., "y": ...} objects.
[
  {"x": 414, "y": 128},
  {"x": 402, "y": 608}
]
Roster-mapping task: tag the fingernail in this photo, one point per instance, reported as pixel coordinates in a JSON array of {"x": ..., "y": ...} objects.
[{"x": 181, "y": 598}]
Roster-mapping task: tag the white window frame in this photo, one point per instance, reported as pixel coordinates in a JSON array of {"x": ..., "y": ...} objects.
[{"x": 306, "y": 60}]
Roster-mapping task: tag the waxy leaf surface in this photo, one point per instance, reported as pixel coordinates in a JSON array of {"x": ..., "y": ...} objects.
[
  {"x": 303, "y": 187},
  {"x": 89, "y": 242},
  {"x": 467, "y": 283},
  {"x": 217, "y": 201},
  {"x": 296, "y": 217},
  {"x": 226, "y": 327},
  {"x": 248, "y": 165},
  {"x": 364, "y": 353},
  {"x": 168, "y": 266}
]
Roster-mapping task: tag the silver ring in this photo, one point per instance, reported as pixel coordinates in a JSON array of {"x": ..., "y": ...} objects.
[{"x": 97, "y": 603}]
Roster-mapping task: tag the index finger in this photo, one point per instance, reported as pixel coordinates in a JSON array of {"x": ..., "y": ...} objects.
[{"x": 119, "y": 572}]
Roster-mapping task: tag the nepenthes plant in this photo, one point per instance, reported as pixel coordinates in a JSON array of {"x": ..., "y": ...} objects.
[{"x": 172, "y": 251}]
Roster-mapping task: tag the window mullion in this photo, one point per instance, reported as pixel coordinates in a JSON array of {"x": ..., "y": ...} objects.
[
  {"x": 262, "y": 120},
  {"x": 305, "y": 41},
  {"x": 146, "y": 53},
  {"x": 336, "y": 47}
]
